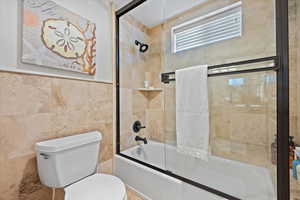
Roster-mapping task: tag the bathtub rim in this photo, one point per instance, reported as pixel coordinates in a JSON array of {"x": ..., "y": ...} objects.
[
  {"x": 154, "y": 144},
  {"x": 181, "y": 178}
]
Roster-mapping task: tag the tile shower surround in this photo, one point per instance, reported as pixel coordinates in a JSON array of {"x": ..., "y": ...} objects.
[{"x": 252, "y": 146}]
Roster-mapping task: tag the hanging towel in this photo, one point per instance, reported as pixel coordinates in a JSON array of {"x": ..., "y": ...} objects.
[{"x": 192, "y": 115}]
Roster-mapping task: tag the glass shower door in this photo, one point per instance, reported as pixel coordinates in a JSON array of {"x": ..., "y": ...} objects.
[
  {"x": 242, "y": 111},
  {"x": 241, "y": 97},
  {"x": 141, "y": 96}
]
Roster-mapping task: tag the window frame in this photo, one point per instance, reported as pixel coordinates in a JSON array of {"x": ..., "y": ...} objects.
[{"x": 201, "y": 18}]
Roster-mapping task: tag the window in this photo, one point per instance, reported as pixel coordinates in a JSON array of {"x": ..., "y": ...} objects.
[{"x": 222, "y": 24}]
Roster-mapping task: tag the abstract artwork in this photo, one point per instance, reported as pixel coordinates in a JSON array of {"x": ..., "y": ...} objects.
[{"x": 57, "y": 38}]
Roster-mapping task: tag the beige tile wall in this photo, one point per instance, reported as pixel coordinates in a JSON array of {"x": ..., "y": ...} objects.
[
  {"x": 154, "y": 67},
  {"x": 228, "y": 120},
  {"x": 133, "y": 103},
  {"x": 242, "y": 117},
  {"x": 294, "y": 36},
  {"x": 229, "y": 138},
  {"x": 35, "y": 108},
  {"x": 135, "y": 67},
  {"x": 258, "y": 38}
]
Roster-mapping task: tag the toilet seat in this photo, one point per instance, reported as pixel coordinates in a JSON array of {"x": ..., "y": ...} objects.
[{"x": 97, "y": 187}]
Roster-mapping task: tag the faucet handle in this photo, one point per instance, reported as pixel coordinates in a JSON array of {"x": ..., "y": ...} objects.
[{"x": 137, "y": 126}]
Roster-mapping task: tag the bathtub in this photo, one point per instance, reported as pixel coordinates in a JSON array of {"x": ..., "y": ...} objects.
[{"x": 238, "y": 179}]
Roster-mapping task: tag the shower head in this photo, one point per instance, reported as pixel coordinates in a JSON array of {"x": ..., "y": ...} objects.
[{"x": 143, "y": 47}]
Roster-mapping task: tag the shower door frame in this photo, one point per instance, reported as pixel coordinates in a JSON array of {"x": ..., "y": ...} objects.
[{"x": 282, "y": 57}]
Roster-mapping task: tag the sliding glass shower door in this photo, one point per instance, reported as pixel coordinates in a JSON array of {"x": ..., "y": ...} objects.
[
  {"x": 141, "y": 96},
  {"x": 242, "y": 110},
  {"x": 240, "y": 50}
]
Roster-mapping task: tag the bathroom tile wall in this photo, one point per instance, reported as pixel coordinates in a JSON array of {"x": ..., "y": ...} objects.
[
  {"x": 155, "y": 107},
  {"x": 132, "y": 74},
  {"x": 158, "y": 113},
  {"x": 242, "y": 126},
  {"x": 294, "y": 44},
  {"x": 234, "y": 110},
  {"x": 135, "y": 68},
  {"x": 35, "y": 108},
  {"x": 242, "y": 116},
  {"x": 230, "y": 136},
  {"x": 229, "y": 119},
  {"x": 258, "y": 37}
]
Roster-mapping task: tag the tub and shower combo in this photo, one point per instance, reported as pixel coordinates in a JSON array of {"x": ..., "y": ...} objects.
[
  {"x": 236, "y": 178},
  {"x": 194, "y": 122}
]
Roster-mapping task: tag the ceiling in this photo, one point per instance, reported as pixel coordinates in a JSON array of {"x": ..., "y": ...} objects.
[{"x": 154, "y": 12}]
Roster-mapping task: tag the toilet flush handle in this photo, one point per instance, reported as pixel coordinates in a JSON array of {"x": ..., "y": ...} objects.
[{"x": 45, "y": 156}]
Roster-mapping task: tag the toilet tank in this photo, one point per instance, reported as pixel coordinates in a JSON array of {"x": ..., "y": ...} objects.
[{"x": 66, "y": 160}]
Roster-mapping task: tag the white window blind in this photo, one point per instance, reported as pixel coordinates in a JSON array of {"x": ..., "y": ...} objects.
[{"x": 222, "y": 24}]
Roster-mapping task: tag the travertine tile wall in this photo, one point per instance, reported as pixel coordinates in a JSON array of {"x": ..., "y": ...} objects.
[
  {"x": 35, "y": 108},
  {"x": 259, "y": 109},
  {"x": 230, "y": 136},
  {"x": 258, "y": 38},
  {"x": 243, "y": 116},
  {"x": 135, "y": 68},
  {"x": 133, "y": 103},
  {"x": 154, "y": 67},
  {"x": 294, "y": 43},
  {"x": 294, "y": 36}
]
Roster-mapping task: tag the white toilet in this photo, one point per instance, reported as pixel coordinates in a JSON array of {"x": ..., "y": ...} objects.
[{"x": 71, "y": 163}]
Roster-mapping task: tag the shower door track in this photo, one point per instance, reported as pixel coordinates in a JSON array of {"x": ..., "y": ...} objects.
[
  {"x": 281, "y": 67},
  {"x": 186, "y": 180},
  {"x": 165, "y": 77}
]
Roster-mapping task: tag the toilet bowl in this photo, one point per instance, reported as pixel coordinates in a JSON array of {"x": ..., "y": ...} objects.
[
  {"x": 71, "y": 163},
  {"x": 96, "y": 187}
]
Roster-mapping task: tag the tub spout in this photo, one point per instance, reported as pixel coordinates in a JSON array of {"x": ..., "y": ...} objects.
[{"x": 138, "y": 138}]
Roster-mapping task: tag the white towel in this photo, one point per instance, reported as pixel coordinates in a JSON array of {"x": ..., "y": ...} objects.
[{"x": 192, "y": 115}]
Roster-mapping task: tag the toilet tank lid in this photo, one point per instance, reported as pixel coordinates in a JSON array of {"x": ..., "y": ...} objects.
[{"x": 61, "y": 144}]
